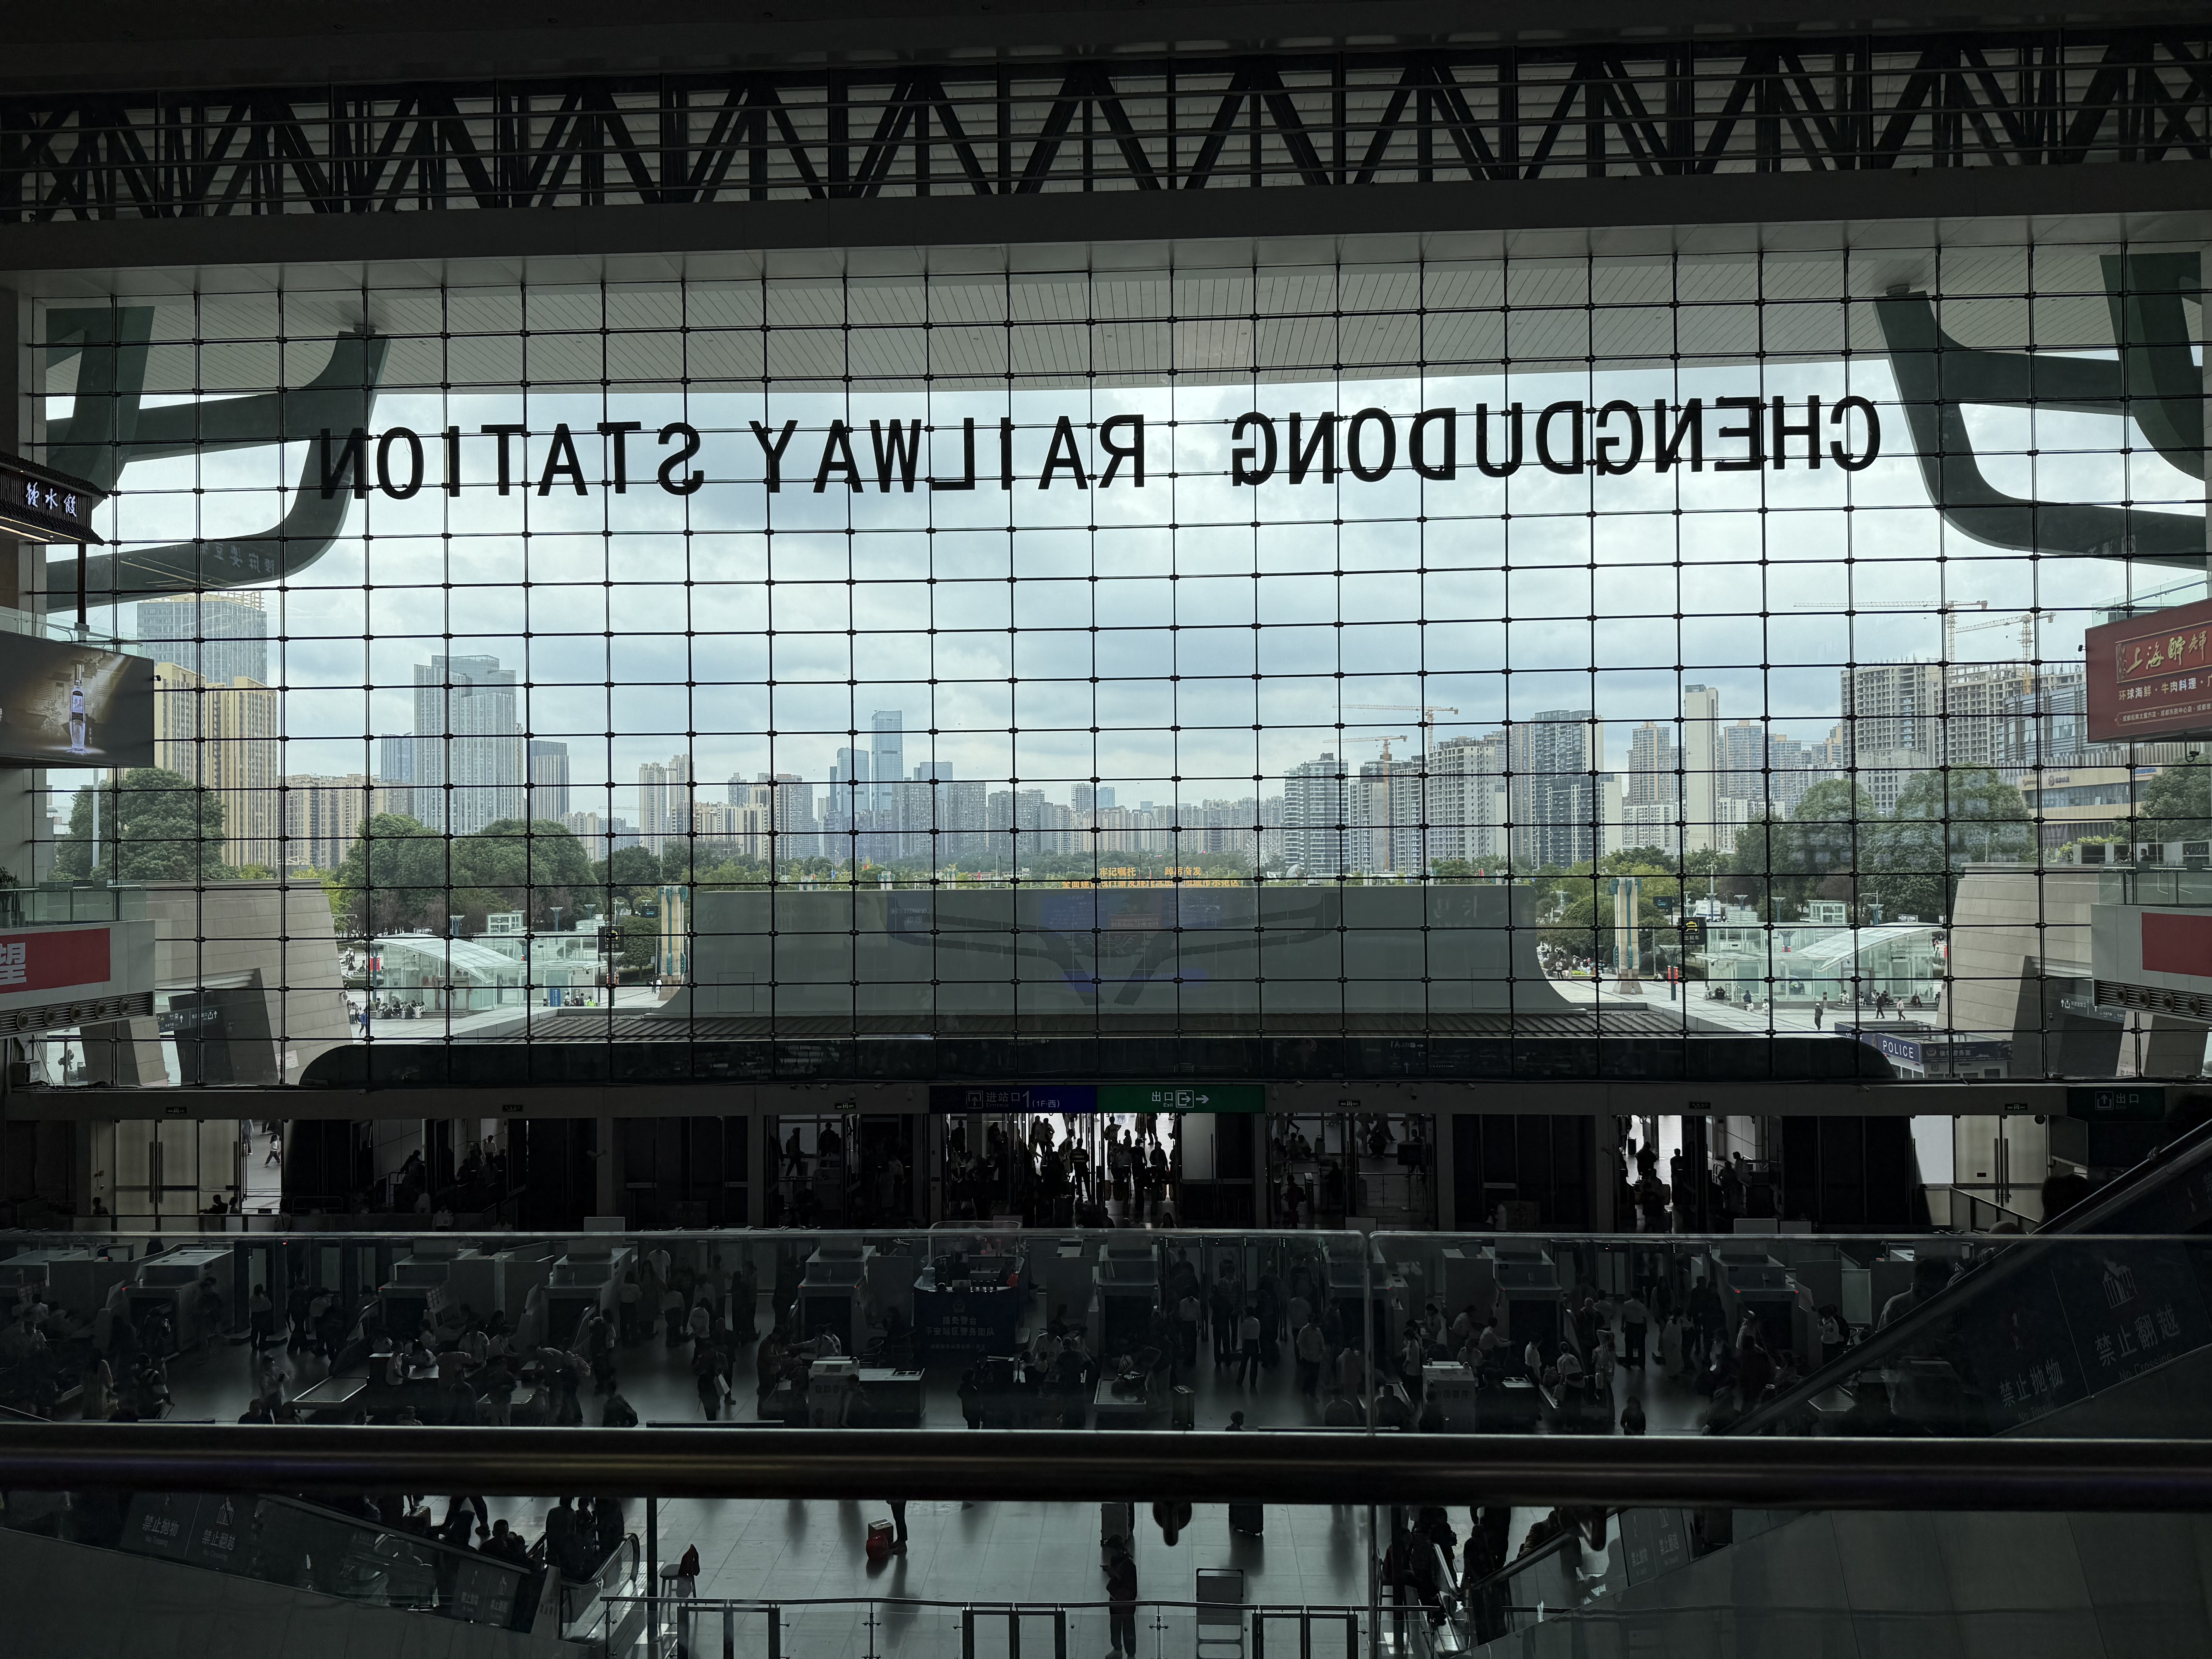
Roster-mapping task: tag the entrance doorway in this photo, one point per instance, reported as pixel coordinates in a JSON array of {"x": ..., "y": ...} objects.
[
  {"x": 1325, "y": 1167},
  {"x": 840, "y": 1169},
  {"x": 165, "y": 1171},
  {"x": 1062, "y": 1169}
]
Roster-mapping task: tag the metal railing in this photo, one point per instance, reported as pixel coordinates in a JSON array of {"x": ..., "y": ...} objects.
[
  {"x": 869, "y": 1626},
  {"x": 1120, "y": 1466}
]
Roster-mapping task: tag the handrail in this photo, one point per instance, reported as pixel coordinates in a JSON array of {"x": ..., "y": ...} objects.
[
  {"x": 1520, "y": 1564},
  {"x": 2012, "y": 1257},
  {"x": 1122, "y": 1466}
]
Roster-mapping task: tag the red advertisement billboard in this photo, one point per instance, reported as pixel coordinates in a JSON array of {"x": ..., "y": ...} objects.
[
  {"x": 55, "y": 960},
  {"x": 2151, "y": 676}
]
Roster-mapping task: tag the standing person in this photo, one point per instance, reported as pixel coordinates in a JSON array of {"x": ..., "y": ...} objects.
[
  {"x": 1187, "y": 1315},
  {"x": 707, "y": 1372},
  {"x": 1635, "y": 1321},
  {"x": 261, "y": 1317},
  {"x": 1122, "y": 1600},
  {"x": 1248, "y": 1337},
  {"x": 99, "y": 1399},
  {"x": 1312, "y": 1350},
  {"x": 898, "y": 1525}
]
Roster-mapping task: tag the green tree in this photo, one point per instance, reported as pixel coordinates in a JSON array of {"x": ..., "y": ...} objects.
[
  {"x": 1945, "y": 820},
  {"x": 393, "y": 876},
  {"x": 1815, "y": 853},
  {"x": 632, "y": 872},
  {"x": 641, "y": 943},
  {"x": 155, "y": 825},
  {"x": 511, "y": 864},
  {"x": 2177, "y": 804}
]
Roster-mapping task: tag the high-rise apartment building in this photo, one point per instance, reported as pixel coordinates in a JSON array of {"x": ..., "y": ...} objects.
[
  {"x": 1743, "y": 761},
  {"x": 1978, "y": 700},
  {"x": 549, "y": 779},
  {"x": 1467, "y": 802},
  {"x": 177, "y": 719},
  {"x": 1651, "y": 793},
  {"x": 1316, "y": 841},
  {"x": 664, "y": 801},
  {"x": 470, "y": 768},
  {"x": 395, "y": 775},
  {"x": 1894, "y": 719},
  {"x": 1555, "y": 760},
  {"x": 227, "y": 738},
  {"x": 241, "y": 751},
  {"x": 323, "y": 817},
  {"x": 221, "y": 637},
  {"x": 1700, "y": 748},
  {"x": 1383, "y": 813},
  {"x": 2046, "y": 720}
]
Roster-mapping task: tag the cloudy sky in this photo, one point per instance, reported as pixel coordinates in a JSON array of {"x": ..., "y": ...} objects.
[{"x": 1194, "y": 628}]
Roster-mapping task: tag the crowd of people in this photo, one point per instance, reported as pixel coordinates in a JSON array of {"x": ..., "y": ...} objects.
[{"x": 1049, "y": 1177}]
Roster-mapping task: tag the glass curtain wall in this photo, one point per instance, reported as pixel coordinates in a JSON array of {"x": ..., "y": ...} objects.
[{"x": 1411, "y": 652}]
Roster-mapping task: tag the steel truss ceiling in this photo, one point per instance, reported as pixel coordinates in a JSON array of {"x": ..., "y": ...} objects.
[{"x": 1671, "y": 109}]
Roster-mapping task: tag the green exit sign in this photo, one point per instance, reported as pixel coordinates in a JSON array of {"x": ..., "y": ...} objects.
[
  {"x": 1183, "y": 1098},
  {"x": 2109, "y": 1103}
]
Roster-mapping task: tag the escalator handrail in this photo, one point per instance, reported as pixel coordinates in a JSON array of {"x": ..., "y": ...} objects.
[{"x": 2177, "y": 1157}]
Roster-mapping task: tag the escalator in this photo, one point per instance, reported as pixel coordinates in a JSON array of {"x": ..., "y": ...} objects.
[
  {"x": 2100, "y": 1324},
  {"x": 2023, "y": 1330}
]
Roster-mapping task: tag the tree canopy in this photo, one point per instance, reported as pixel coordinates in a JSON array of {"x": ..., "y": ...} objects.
[
  {"x": 399, "y": 875},
  {"x": 2177, "y": 804},
  {"x": 155, "y": 825}
]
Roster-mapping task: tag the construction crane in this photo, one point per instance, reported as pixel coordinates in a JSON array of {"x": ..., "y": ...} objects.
[
  {"x": 1424, "y": 710},
  {"x": 1949, "y": 610}
]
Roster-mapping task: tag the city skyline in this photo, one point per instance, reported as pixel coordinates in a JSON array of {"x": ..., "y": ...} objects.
[{"x": 1529, "y": 792}]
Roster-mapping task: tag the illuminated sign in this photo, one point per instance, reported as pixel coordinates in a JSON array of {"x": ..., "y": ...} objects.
[{"x": 40, "y": 505}]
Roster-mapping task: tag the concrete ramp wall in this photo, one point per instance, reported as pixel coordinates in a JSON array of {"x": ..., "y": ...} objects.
[
  {"x": 1849, "y": 1586},
  {"x": 62, "y": 1600}
]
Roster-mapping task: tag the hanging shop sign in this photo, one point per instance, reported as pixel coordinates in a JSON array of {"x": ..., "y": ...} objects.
[
  {"x": 1137, "y": 1098},
  {"x": 40, "y": 505}
]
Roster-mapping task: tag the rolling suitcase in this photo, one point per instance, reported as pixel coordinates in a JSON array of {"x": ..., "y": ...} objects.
[{"x": 879, "y": 1540}]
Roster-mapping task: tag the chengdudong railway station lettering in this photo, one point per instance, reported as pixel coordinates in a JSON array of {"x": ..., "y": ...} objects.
[{"x": 1728, "y": 434}]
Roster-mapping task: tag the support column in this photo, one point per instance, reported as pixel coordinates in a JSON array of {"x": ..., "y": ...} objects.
[
  {"x": 1444, "y": 1183},
  {"x": 23, "y": 583},
  {"x": 1604, "y": 1174},
  {"x": 606, "y": 1196}
]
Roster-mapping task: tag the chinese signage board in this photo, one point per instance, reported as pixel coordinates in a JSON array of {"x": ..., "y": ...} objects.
[
  {"x": 206, "y": 1530},
  {"x": 54, "y": 959},
  {"x": 2151, "y": 676},
  {"x": 1183, "y": 1098},
  {"x": 39, "y": 505},
  {"x": 1105, "y": 1097},
  {"x": 2105, "y": 1104},
  {"x": 66, "y": 704}
]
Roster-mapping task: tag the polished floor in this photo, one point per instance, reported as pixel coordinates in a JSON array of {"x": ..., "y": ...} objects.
[{"x": 994, "y": 1552}]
